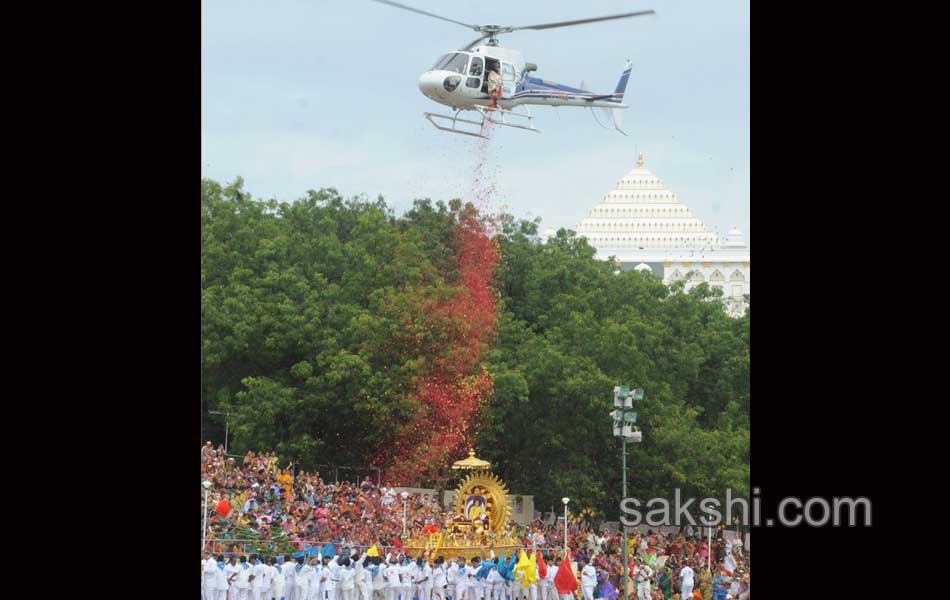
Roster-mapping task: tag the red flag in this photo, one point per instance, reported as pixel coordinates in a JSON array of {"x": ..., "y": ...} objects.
[
  {"x": 542, "y": 566},
  {"x": 564, "y": 581}
]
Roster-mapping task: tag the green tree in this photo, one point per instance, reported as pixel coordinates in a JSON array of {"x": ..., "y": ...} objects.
[{"x": 315, "y": 329}]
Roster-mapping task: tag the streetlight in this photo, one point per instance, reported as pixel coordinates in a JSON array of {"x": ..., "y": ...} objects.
[
  {"x": 565, "y": 500},
  {"x": 204, "y": 519},
  {"x": 624, "y": 418},
  {"x": 404, "y": 495},
  {"x": 227, "y": 422}
]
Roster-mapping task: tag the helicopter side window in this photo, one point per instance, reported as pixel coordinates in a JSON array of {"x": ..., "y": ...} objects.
[
  {"x": 477, "y": 67},
  {"x": 507, "y": 72},
  {"x": 475, "y": 73}
]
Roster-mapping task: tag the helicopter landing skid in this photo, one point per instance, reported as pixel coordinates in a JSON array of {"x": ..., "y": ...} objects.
[{"x": 497, "y": 116}]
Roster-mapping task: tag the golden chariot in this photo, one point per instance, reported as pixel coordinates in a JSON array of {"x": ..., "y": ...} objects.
[{"x": 479, "y": 522}]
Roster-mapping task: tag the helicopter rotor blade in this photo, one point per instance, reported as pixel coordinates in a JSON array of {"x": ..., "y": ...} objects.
[
  {"x": 580, "y": 21},
  {"x": 428, "y": 14}
]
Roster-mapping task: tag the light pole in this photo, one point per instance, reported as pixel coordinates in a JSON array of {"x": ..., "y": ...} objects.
[
  {"x": 204, "y": 519},
  {"x": 404, "y": 495},
  {"x": 227, "y": 422},
  {"x": 565, "y": 500},
  {"x": 624, "y": 418}
]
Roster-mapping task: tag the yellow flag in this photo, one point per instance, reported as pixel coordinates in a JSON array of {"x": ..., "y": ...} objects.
[
  {"x": 372, "y": 551},
  {"x": 526, "y": 566},
  {"x": 531, "y": 574}
]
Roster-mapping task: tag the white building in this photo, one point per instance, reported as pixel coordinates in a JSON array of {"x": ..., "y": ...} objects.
[{"x": 645, "y": 226}]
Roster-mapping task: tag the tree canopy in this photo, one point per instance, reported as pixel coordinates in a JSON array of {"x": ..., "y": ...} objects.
[{"x": 321, "y": 318}]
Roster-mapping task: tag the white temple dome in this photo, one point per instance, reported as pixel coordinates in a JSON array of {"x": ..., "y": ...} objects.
[
  {"x": 640, "y": 212},
  {"x": 642, "y": 267}
]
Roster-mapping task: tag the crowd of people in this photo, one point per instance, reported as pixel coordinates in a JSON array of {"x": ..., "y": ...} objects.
[
  {"x": 343, "y": 541},
  {"x": 269, "y": 504}
]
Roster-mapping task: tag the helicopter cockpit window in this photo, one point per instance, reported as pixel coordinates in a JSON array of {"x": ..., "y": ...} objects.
[
  {"x": 441, "y": 62},
  {"x": 458, "y": 63}
]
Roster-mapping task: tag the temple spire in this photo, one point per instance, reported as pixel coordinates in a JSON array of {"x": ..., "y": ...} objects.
[{"x": 640, "y": 161}]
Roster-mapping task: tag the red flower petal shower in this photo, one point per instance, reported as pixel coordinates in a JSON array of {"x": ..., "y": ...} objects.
[{"x": 454, "y": 385}]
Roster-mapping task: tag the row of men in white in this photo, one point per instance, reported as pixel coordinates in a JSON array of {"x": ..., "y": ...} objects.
[{"x": 371, "y": 578}]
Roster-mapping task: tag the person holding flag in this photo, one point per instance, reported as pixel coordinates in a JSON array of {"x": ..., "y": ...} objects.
[
  {"x": 564, "y": 580},
  {"x": 496, "y": 583},
  {"x": 544, "y": 584}
]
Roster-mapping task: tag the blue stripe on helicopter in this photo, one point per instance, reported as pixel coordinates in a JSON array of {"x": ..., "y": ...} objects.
[
  {"x": 542, "y": 94},
  {"x": 536, "y": 83},
  {"x": 535, "y": 87}
]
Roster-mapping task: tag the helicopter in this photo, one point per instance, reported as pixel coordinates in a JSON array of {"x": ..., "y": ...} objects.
[{"x": 459, "y": 80}]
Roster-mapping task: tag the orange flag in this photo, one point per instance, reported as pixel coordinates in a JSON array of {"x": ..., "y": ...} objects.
[
  {"x": 564, "y": 581},
  {"x": 542, "y": 566}
]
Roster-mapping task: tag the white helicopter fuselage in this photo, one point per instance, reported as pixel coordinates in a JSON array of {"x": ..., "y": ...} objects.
[{"x": 458, "y": 80}]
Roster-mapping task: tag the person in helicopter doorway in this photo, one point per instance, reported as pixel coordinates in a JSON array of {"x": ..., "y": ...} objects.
[{"x": 494, "y": 85}]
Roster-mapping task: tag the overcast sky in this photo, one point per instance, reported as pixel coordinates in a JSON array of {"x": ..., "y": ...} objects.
[{"x": 303, "y": 94}]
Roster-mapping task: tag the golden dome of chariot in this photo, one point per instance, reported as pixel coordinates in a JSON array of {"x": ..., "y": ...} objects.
[{"x": 472, "y": 463}]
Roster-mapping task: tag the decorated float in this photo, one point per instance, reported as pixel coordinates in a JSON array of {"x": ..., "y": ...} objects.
[{"x": 479, "y": 522}]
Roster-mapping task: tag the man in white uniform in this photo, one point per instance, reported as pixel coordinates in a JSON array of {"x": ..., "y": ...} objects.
[
  {"x": 588, "y": 579},
  {"x": 256, "y": 578},
  {"x": 410, "y": 576},
  {"x": 289, "y": 571},
  {"x": 347, "y": 574},
  {"x": 496, "y": 585},
  {"x": 451, "y": 579},
  {"x": 323, "y": 576},
  {"x": 392, "y": 577},
  {"x": 379, "y": 578},
  {"x": 221, "y": 579},
  {"x": 302, "y": 579},
  {"x": 242, "y": 584},
  {"x": 424, "y": 581},
  {"x": 474, "y": 583},
  {"x": 263, "y": 578},
  {"x": 363, "y": 583},
  {"x": 552, "y": 571},
  {"x": 276, "y": 580},
  {"x": 686, "y": 581},
  {"x": 331, "y": 570},
  {"x": 231, "y": 572},
  {"x": 461, "y": 582},
  {"x": 209, "y": 573},
  {"x": 643, "y": 575},
  {"x": 316, "y": 573},
  {"x": 439, "y": 580}
]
